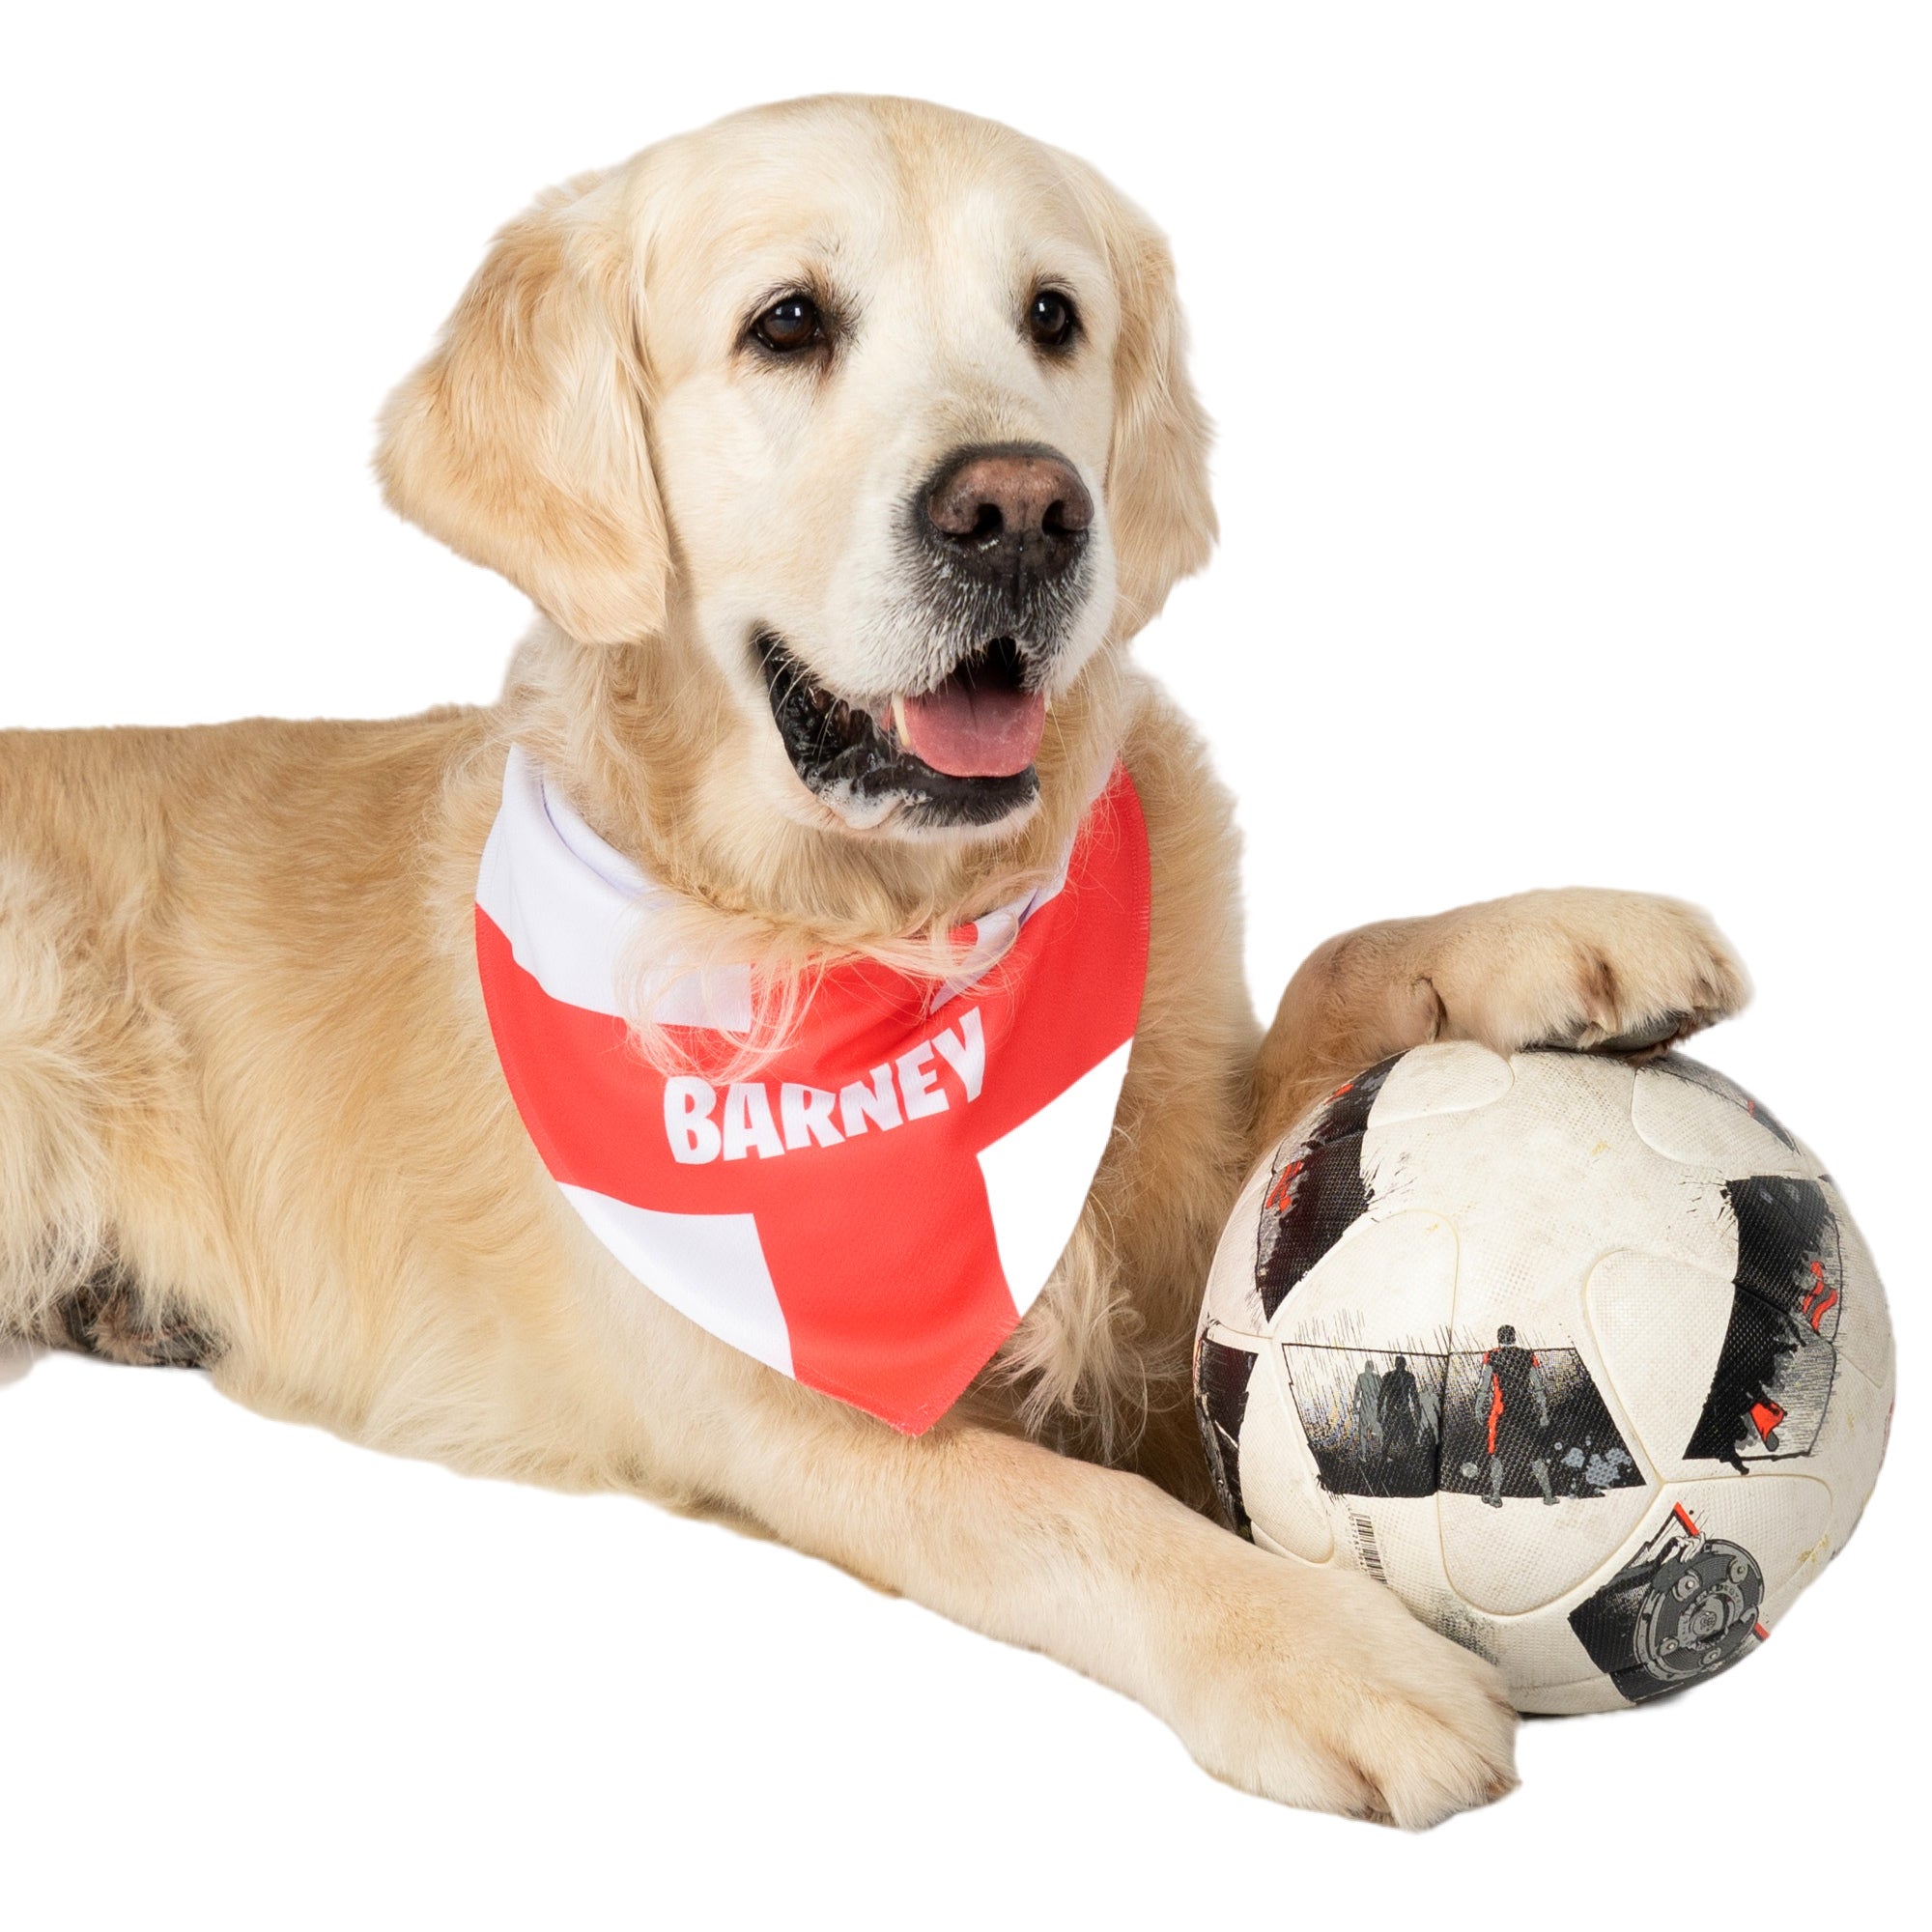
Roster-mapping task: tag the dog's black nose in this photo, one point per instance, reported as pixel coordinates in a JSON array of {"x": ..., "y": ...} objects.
[{"x": 1009, "y": 514}]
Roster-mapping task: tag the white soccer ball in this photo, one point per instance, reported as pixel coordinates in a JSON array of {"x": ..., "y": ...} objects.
[{"x": 1585, "y": 1360}]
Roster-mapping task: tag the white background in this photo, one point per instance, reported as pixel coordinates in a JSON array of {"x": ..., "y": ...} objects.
[{"x": 1571, "y": 377}]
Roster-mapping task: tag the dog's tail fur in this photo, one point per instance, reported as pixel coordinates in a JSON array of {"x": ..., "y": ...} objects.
[
  {"x": 65, "y": 1047},
  {"x": 53, "y": 1167}
]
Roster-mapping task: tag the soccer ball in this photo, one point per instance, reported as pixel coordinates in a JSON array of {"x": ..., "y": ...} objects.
[{"x": 1585, "y": 1360}]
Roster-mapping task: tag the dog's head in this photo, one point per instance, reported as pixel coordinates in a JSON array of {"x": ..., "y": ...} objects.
[{"x": 880, "y": 407}]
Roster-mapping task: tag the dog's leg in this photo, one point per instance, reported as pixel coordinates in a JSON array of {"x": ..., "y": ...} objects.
[
  {"x": 1619, "y": 972},
  {"x": 1313, "y": 1687}
]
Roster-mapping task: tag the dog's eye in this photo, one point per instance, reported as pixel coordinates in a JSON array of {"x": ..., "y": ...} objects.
[
  {"x": 1050, "y": 319},
  {"x": 790, "y": 324}
]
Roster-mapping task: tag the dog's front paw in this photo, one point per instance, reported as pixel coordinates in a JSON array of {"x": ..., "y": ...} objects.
[
  {"x": 1325, "y": 1693},
  {"x": 1606, "y": 971}
]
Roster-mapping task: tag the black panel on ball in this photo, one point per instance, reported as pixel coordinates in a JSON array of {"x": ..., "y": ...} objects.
[
  {"x": 1772, "y": 1381},
  {"x": 1221, "y": 1377},
  {"x": 1317, "y": 1190}
]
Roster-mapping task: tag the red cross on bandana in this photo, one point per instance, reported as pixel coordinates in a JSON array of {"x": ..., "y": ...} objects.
[{"x": 873, "y": 1208}]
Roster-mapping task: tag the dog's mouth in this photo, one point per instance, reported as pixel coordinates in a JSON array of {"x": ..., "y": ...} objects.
[{"x": 961, "y": 753}]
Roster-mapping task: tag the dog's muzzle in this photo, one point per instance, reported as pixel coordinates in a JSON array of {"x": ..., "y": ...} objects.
[{"x": 995, "y": 549}]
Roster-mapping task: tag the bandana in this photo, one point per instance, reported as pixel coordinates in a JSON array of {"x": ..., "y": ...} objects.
[{"x": 873, "y": 1210}]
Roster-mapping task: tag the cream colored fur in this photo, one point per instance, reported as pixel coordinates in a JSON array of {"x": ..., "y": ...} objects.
[{"x": 244, "y": 1065}]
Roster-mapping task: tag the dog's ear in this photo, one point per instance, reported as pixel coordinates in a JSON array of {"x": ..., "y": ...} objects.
[
  {"x": 521, "y": 440},
  {"x": 1158, "y": 501}
]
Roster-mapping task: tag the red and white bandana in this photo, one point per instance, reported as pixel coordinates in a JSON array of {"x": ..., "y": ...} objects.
[{"x": 875, "y": 1210}]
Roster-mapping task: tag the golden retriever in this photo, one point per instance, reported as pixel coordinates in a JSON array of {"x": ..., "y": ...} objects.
[{"x": 842, "y": 447}]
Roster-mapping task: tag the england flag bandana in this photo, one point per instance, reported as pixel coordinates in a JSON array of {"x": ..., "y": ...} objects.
[{"x": 875, "y": 1209}]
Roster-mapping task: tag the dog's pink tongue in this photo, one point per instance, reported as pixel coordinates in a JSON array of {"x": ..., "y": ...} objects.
[{"x": 976, "y": 734}]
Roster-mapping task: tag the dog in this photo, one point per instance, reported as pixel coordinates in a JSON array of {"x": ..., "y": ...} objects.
[{"x": 842, "y": 447}]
